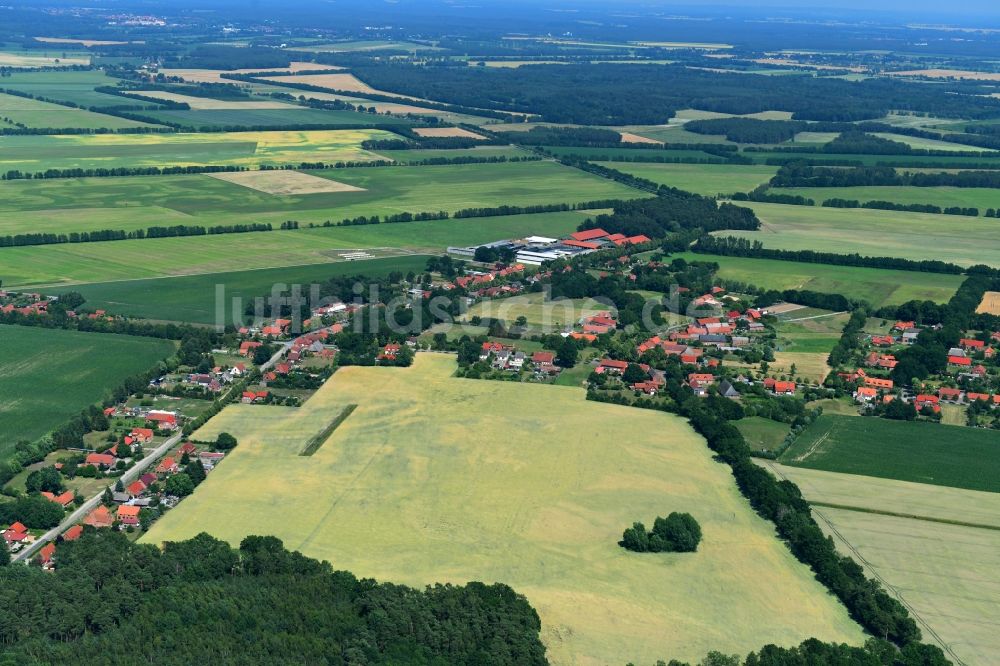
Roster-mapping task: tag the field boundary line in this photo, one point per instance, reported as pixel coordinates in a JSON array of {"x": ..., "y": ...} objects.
[
  {"x": 878, "y": 576},
  {"x": 911, "y": 516},
  {"x": 319, "y": 439}
]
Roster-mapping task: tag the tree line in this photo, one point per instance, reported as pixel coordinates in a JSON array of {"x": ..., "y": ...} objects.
[
  {"x": 731, "y": 246},
  {"x": 800, "y": 174},
  {"x": 109, "y": 601},
  {"x": 908, "y": 208},
  {"x": 20, "y": 240}
]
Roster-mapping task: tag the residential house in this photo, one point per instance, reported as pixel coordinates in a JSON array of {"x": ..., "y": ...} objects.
[
  {"x": 779, "y": 387},
  {"x": 389, "y": 352},
  {"x": 46, "y": 555},
  {"x": 99, "y": 517},
  {"x": 878, "y": 383},
  {"x": 727, "y": 390},
  {"x": 63, "y": 500},
  {"x": 73, "y": 533},
  {"x": 611, "y": 367},
  {"x": 210, "y": 459},
  {"x": 926, "y": 400},
  {"x": 128, "y": 515},
  {"x": 950, "y": 394},
  {"x": 166, "y": 466},
  {"x": 164, "y": 420},
  {"x": 865, "y": 394},
  {"x": 141, "y": 435},
  {"x": 100, "y": 460}
]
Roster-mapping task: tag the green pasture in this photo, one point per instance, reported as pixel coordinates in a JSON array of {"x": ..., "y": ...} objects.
[
  {"x": 878, "y": 286},
  {"x": 72, "y": 86},
  {"x": 218, "y": 298},
  {"x": 434, "y": 478},
  {"x": 877, "y": 233},
  {"x": 18, "y": 111},
  {"x": 49, "y": 375},
  {"x": 386, "y": 190},
  {"x": 706, "y": 179},
  {"x": 72, "y": 263},
  {"x": 916, "y": 451},
  {"x": 762, "y": 434}
]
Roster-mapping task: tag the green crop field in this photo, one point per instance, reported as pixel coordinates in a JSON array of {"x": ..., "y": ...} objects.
[
  {"x": 70, "y": 263},
  {"x": 421, "y": 484},
  {"x": 810, "y": 331},
  {"x": 905, "y": 450},
  {"x": 945, "y": 197},
  {"x": 931, "y": 144},
  {"x": 385, "y": 190},
  {"x": 947, "y": 574},
  {"x": 66, "y": 86},
  {"x": 16, "y": 111},
  {"x": 214, "y": 119},
  {"x": 451, "y": 153},
  {"x": 193, "y": 298},
  {"x": 250, "y": 149},
  {"x": 877, "y": 233},
  {"x": 762, "y": 434},
  {"x": 48, "y": 376},
  {"x": 707, "y": 179},
  {"x": 876, "y": 285}
]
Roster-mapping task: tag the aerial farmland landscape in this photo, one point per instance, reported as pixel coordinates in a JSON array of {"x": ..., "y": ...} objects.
[{"x": 561, "y": 332}]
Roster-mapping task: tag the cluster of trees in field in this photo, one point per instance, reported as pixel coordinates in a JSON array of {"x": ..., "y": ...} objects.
[
  {"x": 800, "y": 174},
  {"x": 598, "y": 94},
  {"x": 670, "y": 212},
  {"x": 908, "y": 208},
  {"x": 730, "y": 246},
  {"x": 763, "y": 196},
  {"x": 499, "y": 211},
  {"x": 677, "y": 533},
  {"x": 112, "y": 601},
  {"x": 850, "y": 339}
]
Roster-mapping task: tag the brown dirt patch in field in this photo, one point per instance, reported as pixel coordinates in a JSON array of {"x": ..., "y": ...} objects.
[
  {"x": 990, "y": 304},
  {"x": 284, "y": 182},
  {"x": 628, "y": 137},
  {"x": 446, "y": 132}
]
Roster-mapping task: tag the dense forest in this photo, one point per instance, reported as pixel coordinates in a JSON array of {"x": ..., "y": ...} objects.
[
  {"x": 651, "y": 94},
  {"x": 671, "y": 212},
  {"x": 199, "y": 601}
]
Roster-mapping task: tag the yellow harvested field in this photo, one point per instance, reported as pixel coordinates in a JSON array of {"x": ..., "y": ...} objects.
[
  {"x": 345, "y": 82},
  {"x": 215, "y": 75},
  {"x": 990, "y": 303},
  {"x": 207, "y": 103},
  {"x": 446, "y": 132},
  {"x": 82, "y": 42},
  {"x": 629, "y": 137},
  {"x": 21, "y": 60},
  {"x": 282, "y": 182},
  {"x": 947, "y": 574},
  {"x": 709, "y": 46},
  {"x": 788, "y": 62},
  {"x": 949, "y": 73},
  {"x": 434, "y": 478}
]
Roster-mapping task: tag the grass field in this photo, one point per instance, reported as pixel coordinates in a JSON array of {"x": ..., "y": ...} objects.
[
  {"x": 707, "y": 179},
  {"x": 634, "y": 153},
  {"x": 947, "y": 574},
  {"x": 31, "y": 113},
  {"x": 387, "y": 190},
  {"x": 47, "y": 265},
  {"x": 810, "y": 331},
  {"x": 541, "y": 314},
  {"x": 10, "y": 58},
  {"x": 961, "y": 240},
  {"x": 931, "y": 144},
  {"x": 66, "y": 371},
  {"x": 945, "y": 197},
  {"x": 908, "y": 451},
  {"x": 537, "y": 498},
  {"x": 249, "y": 149},
  {"x": 762, "y": 434},
  {"x": 214, "y": 119},
  {"x": 66, "y": 86},
  {"x": 875, "y": 285},
  {"x": 193, "y": 298}
]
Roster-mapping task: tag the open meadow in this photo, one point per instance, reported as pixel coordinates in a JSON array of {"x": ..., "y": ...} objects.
[
  {"x": 193, "y": 298},
  {"x": 66, "y": 371},
  {"x": 382, "y": 191},
  {"x": 248, "y": 149},
  {"x": 541, "y": 314},
  {"x": 961, "y": 240},
  {"x": 73, "y": 263},
  {"x": 878, "y": 286},
  {"x": 937, "y": 549},
  {"x": 211, "y": 120},
  {"x": 421, "y": 484},
  {"x": 706, "y": 179},
  {"x": 75, "y": 86},
  {"x": 916, "y": 451},
  {"x": 16, "y": 111}
]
